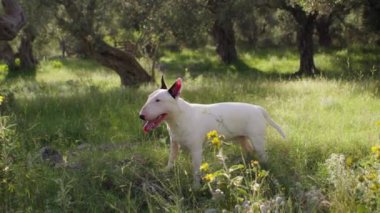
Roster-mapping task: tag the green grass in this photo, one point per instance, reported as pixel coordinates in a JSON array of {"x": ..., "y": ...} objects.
[
  {"x": 79, "y": 103},
  {"x": 348, "y": 63}
]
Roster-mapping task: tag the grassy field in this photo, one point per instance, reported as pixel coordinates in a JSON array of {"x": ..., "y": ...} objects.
[{"x": 329, "y": 161}]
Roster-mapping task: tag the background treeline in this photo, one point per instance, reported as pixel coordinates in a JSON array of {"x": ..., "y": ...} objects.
[{"x": 118, "y": 33}]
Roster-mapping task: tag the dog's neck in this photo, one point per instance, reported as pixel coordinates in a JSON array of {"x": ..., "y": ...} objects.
[{"x": 180, "y": 115}]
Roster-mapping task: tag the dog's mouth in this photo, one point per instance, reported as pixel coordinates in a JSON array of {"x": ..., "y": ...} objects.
[{"x": 152, "y": 124}]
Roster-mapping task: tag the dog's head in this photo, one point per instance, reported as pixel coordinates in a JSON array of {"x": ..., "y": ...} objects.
[{"x": 160, "y": 104}]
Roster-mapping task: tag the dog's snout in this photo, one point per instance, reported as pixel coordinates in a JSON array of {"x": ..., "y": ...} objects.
[{"x": 142, "y": 117}]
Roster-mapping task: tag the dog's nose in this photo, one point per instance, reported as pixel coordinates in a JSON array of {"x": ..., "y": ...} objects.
[{"x": 142, "y": 117}]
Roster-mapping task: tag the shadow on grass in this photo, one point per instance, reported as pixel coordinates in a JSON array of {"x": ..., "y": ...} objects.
[
  {"x": 354, "y": 63},
  {"x": 67, "y": 114},
  {"x": 25, "y": 74},
  {"x": 205, "y": 63},
  {"x": 84, "y": 65}
]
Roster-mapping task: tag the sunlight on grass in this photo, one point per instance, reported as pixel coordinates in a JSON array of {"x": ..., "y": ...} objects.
[
  {"x": 3, "y": 71},
  {"x": 277, "y": 63},
  {"x": 74, "y": 69}
]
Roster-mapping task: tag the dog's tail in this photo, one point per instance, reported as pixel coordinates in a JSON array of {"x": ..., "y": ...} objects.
[{"x": 272, "y": 123}]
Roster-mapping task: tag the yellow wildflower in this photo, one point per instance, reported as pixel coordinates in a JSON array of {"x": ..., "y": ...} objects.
[
  {"x": 212, "y": 134},
  {"x": 204, "y": 167},
  {"x": 378, "y": 123},
  {"x": 371, "y": 176},
  {"x": 349, "y": 161},
  {"x": 216, "y": 142},
  {"x": 208, "y": 178},
  {"x": 254, "y": 163},
  {"x": 375, "y": 149},
  {"x": 374, "y": 187},
  {"x": 1, "y": 99}
]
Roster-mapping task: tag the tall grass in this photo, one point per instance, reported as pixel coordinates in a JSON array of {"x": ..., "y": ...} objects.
[{"x": 79, "y": 109}]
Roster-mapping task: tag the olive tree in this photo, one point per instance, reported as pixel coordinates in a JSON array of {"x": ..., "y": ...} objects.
[
  {"x": 84, "y": 21},
  {"x": 12, "y": 20},
  {"x": 306, "y": 13}
]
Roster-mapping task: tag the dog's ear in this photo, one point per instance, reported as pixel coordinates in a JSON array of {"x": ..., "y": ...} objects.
[
  {"x": 163, "y": 84},
  {"x": 175, "y": 89}
]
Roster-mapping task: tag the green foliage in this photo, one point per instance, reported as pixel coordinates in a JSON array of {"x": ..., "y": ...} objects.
[
  {"x": 57, "y": 64},
  {"x": 3, "y": 71},
  {"x": 353, "y": 183},
  {"x": 9, "y": 155},
  {"x": 241, "y": 186},
  {"x": 3, "y": 68}
]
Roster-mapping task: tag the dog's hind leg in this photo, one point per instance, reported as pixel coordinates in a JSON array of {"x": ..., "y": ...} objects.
[{"x": 245, "y": 144}]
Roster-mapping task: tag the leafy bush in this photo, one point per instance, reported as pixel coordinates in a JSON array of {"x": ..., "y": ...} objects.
[
  {"x": 8, "y": 153},
  {"x": 3, "y": 68},
  {"x": 355, "y": 182},
  {"x": 242, "y": 186},
  {"x": 17, "y": 62},
  {"x": 57, "y": 64}
]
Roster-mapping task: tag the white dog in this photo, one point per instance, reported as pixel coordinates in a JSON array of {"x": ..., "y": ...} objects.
[{"x": 189, "y": 123}]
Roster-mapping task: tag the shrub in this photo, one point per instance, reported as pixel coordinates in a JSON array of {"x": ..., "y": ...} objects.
[
  {"x": 57, "y": 64},
  {"x": 242, "y": 186},
  {"x": 8, "y": 152},
  {"x": 17, "y": 62},
  {"x": 355, "y": 182},
  {"x": 3, "y": 68}
]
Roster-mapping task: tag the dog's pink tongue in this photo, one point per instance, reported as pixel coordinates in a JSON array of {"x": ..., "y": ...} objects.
[{"x": 149, "y": 125}]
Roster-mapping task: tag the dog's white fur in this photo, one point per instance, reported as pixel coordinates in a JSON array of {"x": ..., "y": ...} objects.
[{"x": 189, "y": 123}]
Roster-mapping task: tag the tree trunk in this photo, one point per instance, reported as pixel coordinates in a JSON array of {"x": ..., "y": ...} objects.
[
  {"x": 224, "y": 38},
  {"x": 25, "y": 52},
  {"x": 7, "y": 54},
  {"x": 125, "y": 65},
  {"x": 306, "y": 25},
  {"x": 62, "y": 45},
  {"x": 323, "y": 24},
  {"x": 306, "y": 49},
  {"x": 222, "y": 30},
  {"x": 12, "y": 21}
]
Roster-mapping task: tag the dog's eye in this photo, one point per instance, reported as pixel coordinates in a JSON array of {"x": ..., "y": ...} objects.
[{"x": 158, "y": 100}]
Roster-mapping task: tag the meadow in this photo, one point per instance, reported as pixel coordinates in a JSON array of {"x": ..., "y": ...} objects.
[{"x": 329, "y": 161}]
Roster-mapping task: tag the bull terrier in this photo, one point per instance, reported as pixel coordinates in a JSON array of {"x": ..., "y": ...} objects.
[{"x": 189, "y": 123}]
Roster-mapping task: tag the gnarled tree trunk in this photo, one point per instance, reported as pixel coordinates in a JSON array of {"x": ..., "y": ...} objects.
[
  {"x": 125, "y": 64},
  {"x": 323, "y": 24},
  {"x": 81, "y": 27},
  {"x": 306, "y": 25},
  {"x": 222, "y": 31},
  {"x": 12, "y": 21},
  {"x": 306, "y": 49},
  {"x": 28, "y": 62},
  {"x": 7, "y": 54},
  {"x": 224, "y": 38}
]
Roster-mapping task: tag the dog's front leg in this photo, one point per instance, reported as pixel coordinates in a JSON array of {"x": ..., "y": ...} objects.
[
  {"x": 196, "y": 157},
  {"x": 174, "y": 149}
]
